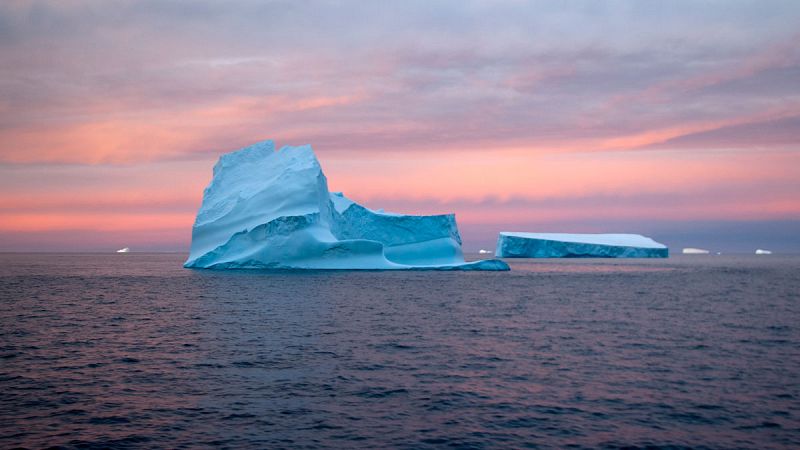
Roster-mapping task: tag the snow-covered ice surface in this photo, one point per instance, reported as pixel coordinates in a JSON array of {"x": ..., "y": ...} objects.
[
  {"x": 272, "y": 210},
  {"x": 563, "y": 245},
  {"x": 695, "y": 251}
]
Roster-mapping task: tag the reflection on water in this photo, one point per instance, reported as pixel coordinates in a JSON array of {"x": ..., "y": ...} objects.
[{"x": 132, "y": 350}]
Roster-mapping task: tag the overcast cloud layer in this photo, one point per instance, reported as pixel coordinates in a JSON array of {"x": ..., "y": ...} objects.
[{"x": 646, "y": 110}]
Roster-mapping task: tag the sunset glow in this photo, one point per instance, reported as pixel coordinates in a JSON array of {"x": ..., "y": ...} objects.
[{"x": 113, "y": 116}]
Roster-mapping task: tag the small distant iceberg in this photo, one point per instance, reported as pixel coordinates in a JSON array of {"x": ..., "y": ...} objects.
[
  {"x": 763, "y": 252},
  {"x": 562, "y": 245},
  {"x": 124, "y": 250},
  {"x": 695, "y": 251},
  {"x": 484, "y": 252}
]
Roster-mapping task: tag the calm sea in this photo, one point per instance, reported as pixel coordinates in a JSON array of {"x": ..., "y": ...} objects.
[{"x": 133, "y": 351}]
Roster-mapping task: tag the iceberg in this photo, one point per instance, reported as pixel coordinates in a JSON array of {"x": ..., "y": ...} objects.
[
  {"x": 695, "y": 251},
  {"x": 561, "y": 245},
  {"x": 124, "y": 250},
  {"x": 763, "y": 252},
  {"x": 267, "y": 209}
]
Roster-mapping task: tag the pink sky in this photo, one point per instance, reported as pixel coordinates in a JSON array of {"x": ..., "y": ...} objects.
[{"x": 515, "y": 116}]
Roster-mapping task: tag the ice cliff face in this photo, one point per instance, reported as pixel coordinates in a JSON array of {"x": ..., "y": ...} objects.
[
  {"x": 265, "y": 209},
  {"x": 558, "y": 245}
]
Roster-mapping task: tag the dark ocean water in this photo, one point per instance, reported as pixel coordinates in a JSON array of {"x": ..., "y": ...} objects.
[{"x": 133, "y": 351}]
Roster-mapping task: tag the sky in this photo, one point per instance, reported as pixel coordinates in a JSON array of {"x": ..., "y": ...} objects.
[{"x": 675, "y": 119}]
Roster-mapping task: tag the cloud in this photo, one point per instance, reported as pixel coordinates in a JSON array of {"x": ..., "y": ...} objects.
[
  {"x": 506, "y": 110},
  {"x": 137, "y": 81},
  {"x": 777, "y": 133}
]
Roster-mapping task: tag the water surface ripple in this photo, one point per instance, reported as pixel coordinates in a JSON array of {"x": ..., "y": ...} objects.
[{"x": 132, "y": 351}]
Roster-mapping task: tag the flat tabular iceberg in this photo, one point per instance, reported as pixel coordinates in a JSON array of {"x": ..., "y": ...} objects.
[
  {"x": 561, "y": 245},
  {"x": 763, "y": 252},
  {"x": 272, "y": 210}
]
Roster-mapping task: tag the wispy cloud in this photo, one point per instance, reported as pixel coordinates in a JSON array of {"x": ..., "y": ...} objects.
[
  {"x": 138, "y": 81},
  {"x": 468, "y": 100}
]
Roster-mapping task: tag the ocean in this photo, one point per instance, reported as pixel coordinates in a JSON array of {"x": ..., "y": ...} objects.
[{"x": 133, "y": 351}]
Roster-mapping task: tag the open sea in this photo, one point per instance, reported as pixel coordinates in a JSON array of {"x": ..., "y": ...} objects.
[{"x": 133, "y": 351}]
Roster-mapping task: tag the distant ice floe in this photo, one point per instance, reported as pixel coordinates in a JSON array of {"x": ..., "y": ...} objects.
[
  {"x": 562, "y": 245},
  {"x": 695, "y": 251},
  {"x": 763, "y": 252},
  {"x": 484, "y": 252},
  {"x": 124, "y": 250}
]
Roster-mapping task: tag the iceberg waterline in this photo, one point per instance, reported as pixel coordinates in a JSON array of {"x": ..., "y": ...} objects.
[
  {"x": 267, "y": 209},
  {"x": 563, "y": 245}
]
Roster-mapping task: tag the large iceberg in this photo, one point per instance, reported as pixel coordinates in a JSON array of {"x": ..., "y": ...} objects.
[
  {"x": 560, "y": 245},
  {"x": 272, "y": 210}
]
